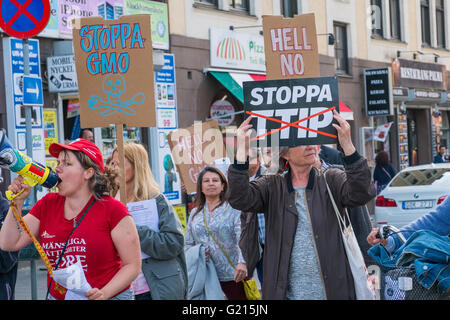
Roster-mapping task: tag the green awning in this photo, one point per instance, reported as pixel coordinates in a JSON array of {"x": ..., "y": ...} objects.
[{"x": 230, "y": 84}]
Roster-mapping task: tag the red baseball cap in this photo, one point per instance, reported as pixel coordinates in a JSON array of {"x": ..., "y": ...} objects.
[{"x": 83, "y": 145}]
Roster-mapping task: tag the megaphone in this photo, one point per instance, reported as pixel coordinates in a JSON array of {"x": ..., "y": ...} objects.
[{"x": 18, "y": 162}]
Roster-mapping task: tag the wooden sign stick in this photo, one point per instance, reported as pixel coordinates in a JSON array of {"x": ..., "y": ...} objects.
[{"x": 119, "y": 137}]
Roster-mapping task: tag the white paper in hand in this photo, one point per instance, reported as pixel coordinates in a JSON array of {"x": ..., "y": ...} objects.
[
  {"x": 74, "y": 280},
  {"x": 145, "y": 213}
]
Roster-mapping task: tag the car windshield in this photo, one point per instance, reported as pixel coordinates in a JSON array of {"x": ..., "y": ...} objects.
[{"x": 424, "y": 177}]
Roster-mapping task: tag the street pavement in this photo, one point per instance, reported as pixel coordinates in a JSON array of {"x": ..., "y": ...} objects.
[{"x": 23, "y": 284}]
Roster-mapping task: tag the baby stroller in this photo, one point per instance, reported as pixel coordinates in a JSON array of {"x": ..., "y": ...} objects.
[{"x": 418, "y": 270}]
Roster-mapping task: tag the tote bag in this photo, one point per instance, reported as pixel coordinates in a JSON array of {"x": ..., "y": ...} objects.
[{"x": 363, "y": 287}]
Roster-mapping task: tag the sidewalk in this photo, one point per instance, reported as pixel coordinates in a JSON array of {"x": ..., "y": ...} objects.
[{"x": 23, "y": 283}]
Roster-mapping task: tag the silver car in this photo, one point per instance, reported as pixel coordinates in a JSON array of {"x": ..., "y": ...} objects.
[{"x": 413, "y": 192}]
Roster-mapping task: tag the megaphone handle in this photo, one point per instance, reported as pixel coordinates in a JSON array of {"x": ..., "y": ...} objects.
[{"x": 10, "y": 195}]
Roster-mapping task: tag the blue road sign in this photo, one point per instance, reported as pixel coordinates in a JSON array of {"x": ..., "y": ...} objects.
[{"x": 32, "y": 91}]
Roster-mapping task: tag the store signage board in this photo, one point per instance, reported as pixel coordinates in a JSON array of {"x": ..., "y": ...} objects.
[
  {"x": 194, "y": 148},
  {"x": 413, "y": 74},
  {"x": 237, "y": 50},
  {"x": 299, "y": 111},
  {"x": 378, "y": 92},
  {"x": 167, "y": 120},
  {"x": 62, "y": 74},
  {"x": 24, "y": 20},
  {"x": 15, "y": 111},
  {"x": 114, "y": 64},
  {"x": 291, "y": 47}
]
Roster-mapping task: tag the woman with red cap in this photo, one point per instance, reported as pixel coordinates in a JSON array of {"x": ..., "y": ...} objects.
[{"x": 81, "y": 224}]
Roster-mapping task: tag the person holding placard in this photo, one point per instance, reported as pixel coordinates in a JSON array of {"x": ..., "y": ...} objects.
[
  {"x": 304, "y": 255},
  {"x": 164, "y": 272},
  {"x": 216, "y": 225},
  {"x": 80, "y": 225}
]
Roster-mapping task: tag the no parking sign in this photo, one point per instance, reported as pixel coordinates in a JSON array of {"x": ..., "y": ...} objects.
[{"x": 24, "y": 18}]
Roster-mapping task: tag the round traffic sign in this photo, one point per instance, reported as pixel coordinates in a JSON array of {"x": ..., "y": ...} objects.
[{"x": 24, "y": 18}]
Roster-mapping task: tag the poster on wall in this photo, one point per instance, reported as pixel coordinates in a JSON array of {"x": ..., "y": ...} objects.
[
  {"x": 64, "y": 11},
  {"x": 52, "y": 28},
  {"x": 50, "y": 128}
]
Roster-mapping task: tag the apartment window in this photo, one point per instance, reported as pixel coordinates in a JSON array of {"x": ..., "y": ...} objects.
[
  {"x": 394, "y": 8},
  {"x": 425, "y": 19},
  {"x": 340, "y": 48},
  {"x": 239, "y": 4},
  {"x": 377, "y": 18},
  {"x": 440, "y": 23},
  {"x": 289, "y": 8}
]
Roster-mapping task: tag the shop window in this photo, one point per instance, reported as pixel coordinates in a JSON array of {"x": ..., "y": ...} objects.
[
  {"x": 341, "y": 49},
  {"x": 394, "y": 10},
  {"x": 425, "y": 20},
  {"x": 440, "y": 24}
]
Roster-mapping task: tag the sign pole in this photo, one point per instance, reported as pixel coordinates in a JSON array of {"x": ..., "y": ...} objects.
[{"x": 29, "y": 145}]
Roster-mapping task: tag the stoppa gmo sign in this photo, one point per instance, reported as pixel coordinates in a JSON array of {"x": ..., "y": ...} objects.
[{"x": 301, "y": 110}]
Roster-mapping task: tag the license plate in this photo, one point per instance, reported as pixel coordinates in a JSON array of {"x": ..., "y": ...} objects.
[{"x": 422, "y": 204}]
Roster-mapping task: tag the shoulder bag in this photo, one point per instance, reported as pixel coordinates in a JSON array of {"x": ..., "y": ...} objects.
[
  {"x": 363, "y": 287},
  {"x": 250, "y": 287}
]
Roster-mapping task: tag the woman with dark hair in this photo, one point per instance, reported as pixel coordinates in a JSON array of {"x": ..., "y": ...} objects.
[
  {"x": 384, "y": 171},
  {"x": 215, "y": 218},
  {"x": 80, "y": 224}
]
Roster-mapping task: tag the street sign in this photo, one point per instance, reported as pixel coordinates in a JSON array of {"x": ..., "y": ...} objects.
[
  {"x": 32, "y": 91},
  {"x": 26, "y": 19}
]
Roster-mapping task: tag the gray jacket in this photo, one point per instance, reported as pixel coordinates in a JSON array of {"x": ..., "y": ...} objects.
[{"x": 165, "y": 270}]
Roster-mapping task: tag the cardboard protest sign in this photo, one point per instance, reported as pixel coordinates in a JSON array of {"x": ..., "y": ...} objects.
[
  {"x": 291, "y": 47},
  {"x": 194, "y": 148},
  {"x": 299, "y": 110},
  {"x": 114, "y": 62}
]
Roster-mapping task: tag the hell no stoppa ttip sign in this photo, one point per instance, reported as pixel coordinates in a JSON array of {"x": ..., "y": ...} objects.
[
  {"x": 299, "y": 110},
  {"x": 24, "y": 18}
]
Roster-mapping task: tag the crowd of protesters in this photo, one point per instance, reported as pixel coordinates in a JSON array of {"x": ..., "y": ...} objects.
[{"x": 280, "y": 224}]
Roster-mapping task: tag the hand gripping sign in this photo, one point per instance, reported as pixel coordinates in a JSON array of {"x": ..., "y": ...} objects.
[{"x": 300, "y": 111}]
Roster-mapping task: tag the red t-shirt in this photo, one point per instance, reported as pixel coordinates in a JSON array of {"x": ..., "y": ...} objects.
[{"x": 90, "y": 243}]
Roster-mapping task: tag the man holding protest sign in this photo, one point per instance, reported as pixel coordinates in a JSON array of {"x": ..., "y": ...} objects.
[{"x": 304, "y": 257}]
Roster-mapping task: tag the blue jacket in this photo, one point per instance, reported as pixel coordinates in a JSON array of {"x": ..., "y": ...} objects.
[
  {"x": 437, "y": 221},
  {"x": 203, "y": 281},
  {"x": 430, "y": 254}
]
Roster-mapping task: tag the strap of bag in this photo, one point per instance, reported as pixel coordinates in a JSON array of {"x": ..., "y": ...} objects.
[
  {"x": 341, "y": 220},
  {"x": 385, "y": 171},
  {"x": 220, "y": 247}
]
